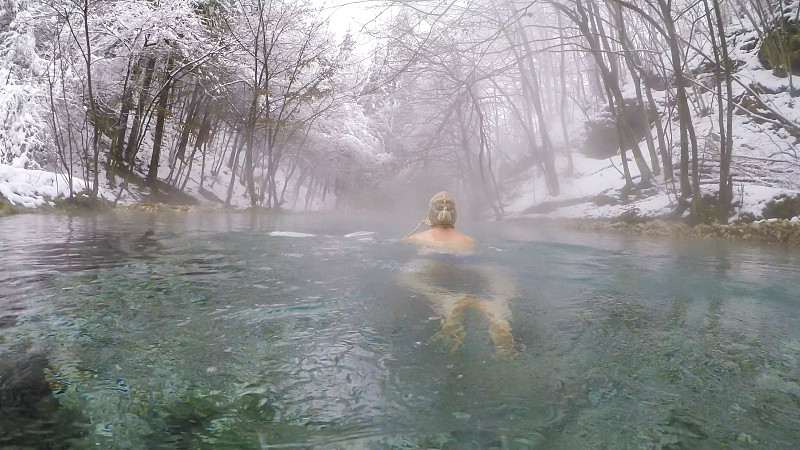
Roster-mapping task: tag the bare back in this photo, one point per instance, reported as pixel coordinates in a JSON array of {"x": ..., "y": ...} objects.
[{"x": 447, "y": 239}]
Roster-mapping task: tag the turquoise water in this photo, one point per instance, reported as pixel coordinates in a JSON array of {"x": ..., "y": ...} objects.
[{"x": 204, "y": 330}]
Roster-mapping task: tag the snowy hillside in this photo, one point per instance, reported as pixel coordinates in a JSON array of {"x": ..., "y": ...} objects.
[{"x": 764, "y": 161}]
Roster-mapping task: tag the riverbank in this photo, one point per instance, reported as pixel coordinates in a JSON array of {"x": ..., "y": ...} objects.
[
  {"x": 647, "y": 212},
  {"x": 8, "y": 209},
  {"x": 780, "y": 231}
]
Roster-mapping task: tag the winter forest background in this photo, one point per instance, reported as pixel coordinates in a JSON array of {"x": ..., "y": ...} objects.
[{"x": 588, "y": 107}]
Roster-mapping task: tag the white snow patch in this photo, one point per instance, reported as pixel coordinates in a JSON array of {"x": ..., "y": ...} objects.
[
  {"x": 290, "y": 234},
  {"x": 32, "y": 188},
  {"x": 359, "y": 233},
  {"x": 754, "y": 197}
]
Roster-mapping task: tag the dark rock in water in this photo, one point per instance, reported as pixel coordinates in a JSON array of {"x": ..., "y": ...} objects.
[
  {"x": 439, "y": 440},
  {"x": 477, "y": 438},
  {"x": 683, "y": 423},
  {"x": 30, "y": 415},
  {"x": 7, "y": 321},
  {"x": 683, "y": 430},
  {"x": 23, "y": 387}
]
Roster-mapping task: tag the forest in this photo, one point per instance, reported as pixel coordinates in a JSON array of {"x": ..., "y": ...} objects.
[{"x": 264, "y": 103}]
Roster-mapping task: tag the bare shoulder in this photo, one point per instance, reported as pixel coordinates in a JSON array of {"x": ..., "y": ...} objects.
[
  {"x": 417, "y": 238},
  {"x": 467, "y": 240}
]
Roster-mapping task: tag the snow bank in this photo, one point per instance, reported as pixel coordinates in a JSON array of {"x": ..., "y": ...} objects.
[
  {"x": 754, "y": 198},
  {"x": 32, "y": 188}
]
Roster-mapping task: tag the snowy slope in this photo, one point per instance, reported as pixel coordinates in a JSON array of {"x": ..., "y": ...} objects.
[{"x": 765, "y": 161}]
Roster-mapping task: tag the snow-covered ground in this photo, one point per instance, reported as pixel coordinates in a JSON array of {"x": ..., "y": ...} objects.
[
  {"x": 31, "y": 188},
  {"x": 598, "y": 183}
]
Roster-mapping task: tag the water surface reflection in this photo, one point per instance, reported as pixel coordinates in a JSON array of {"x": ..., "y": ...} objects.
[{"x": 211, "y": 329}]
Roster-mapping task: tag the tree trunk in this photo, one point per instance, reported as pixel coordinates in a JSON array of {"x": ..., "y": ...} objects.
[
  {"x": 161, "y": 115},
  {"x": 666, "y": 158},
  {"x": 611, "y": 80},
  {"x": 236, "y": 152},
  {"x": 118, "y": 145},
  {"x": 632, "y": 63},
  {"x": 188, "y": 123},
  {"x": 684, "y": 115},
  {"x": 563, "y": 105},
  {"x": 725, "y": 180},
  {"x": 249, "y": 166},
  {"x": 133, "y": 140},
  {"x": 92, "y": 103},
  {"x": 548, "y": 158}
]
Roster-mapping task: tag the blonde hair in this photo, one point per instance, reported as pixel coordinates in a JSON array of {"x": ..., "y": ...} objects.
[
  {"x": 441, "y": 205},
  {"x": 442, "y": 211}
]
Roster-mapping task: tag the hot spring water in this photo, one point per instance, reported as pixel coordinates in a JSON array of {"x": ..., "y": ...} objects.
[{"x": 253, "y": 330}]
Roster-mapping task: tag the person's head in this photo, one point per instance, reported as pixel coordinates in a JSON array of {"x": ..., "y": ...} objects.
[{"x": 442, "y": 211}]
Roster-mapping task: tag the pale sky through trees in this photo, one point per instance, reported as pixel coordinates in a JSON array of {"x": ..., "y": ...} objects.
[{"x": 347, "y": 15}]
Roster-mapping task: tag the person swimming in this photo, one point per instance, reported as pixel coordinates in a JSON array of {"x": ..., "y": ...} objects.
[
  {"x": 441, "y": 276},
  {"x": 442, "y": 235}
]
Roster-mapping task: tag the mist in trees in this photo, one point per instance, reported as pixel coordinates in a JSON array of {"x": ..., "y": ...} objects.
[
  {"x": 262, "y": 103},
  {"x": 509, "y": 83}
]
